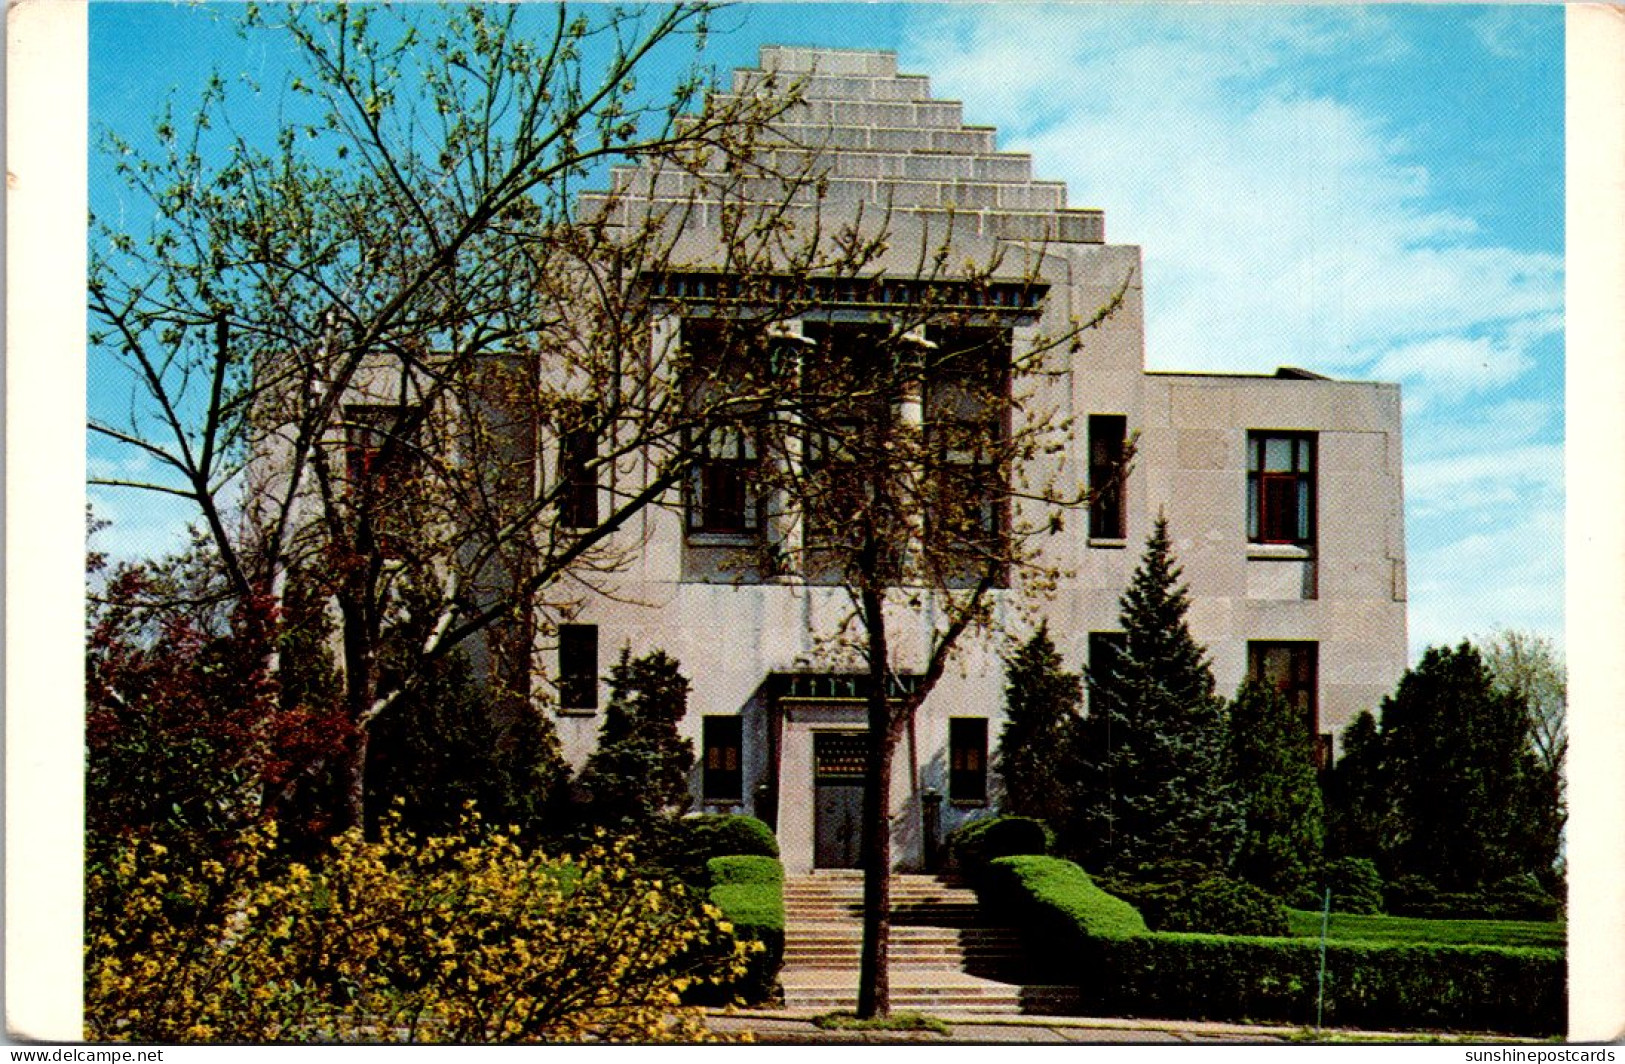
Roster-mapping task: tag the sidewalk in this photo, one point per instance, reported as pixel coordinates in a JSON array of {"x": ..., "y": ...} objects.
[{"x": 785, "y": 1027}]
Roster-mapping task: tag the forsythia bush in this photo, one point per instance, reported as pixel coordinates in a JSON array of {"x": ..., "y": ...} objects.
[{"x": 458, "y": 938}]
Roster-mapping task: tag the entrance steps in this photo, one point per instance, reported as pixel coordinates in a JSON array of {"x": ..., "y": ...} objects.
[{"x": 943, "y": 959}]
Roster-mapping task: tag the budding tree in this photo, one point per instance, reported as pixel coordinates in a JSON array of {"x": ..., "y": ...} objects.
[{"x": 383, "y": 354}]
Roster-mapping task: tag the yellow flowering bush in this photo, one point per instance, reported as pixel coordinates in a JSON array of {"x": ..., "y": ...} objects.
[{"x": 464, "y": 937}]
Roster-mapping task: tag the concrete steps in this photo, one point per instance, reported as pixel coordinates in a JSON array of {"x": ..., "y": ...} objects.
[{"x": 942, "y": 959}]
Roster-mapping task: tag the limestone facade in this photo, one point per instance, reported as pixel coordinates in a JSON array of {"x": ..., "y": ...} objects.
[{"x": 1297, "y": 571}]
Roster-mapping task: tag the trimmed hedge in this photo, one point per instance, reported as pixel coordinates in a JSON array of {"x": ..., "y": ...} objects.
[
  {"x": 971, "y": 846},
  {"x": 1098, "y": 942},
  {"x": 1468, "y": 988},
  {"x": 1057, "y": 907},
  {"x": 725, "y": 835},
  {"x": 1514, "y": 898},
  {"x": 749, "y": 889}
]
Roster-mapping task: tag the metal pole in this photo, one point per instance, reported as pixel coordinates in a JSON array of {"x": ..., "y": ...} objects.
[{"x": 1320, "y": 995}]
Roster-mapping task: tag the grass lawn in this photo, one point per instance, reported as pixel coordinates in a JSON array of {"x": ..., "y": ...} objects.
[{"x": 1403, "y": 929}]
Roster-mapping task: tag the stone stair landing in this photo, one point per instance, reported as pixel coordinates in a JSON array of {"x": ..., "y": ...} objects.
[{"x": 943, "y": 961}]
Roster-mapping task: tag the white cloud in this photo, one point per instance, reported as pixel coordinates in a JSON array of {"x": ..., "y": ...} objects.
[
  {"x": 1280, "y": 226},
  {"x": 1502, "y": 578},
  {"x": 1289, "y": 225}
]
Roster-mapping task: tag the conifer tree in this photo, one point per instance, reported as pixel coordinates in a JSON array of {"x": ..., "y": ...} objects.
[
  {"x": 1273, "y": 776},
  {"x": 1456, "y": 757},
  {"x": 638, "y": 776},
  {"x": 1037, "y": 753},
  {"x": 1155, "y": 735},
  {"x": 1358, "y": 799}
]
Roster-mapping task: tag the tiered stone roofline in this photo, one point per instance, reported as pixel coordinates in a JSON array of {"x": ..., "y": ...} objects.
[{"x": 878, "y": 138}]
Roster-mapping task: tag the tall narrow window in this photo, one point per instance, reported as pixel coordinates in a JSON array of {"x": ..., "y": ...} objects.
[
  {"x": 724, "y": 360},
  {"x": 967, "y": 759},
  {"x": 380, "y": 463},
  {"x": 966, "y": 386},
  {"x": 578, "y": 666},
  {"x": 1104, "y": 649},
  {"x": 722, "y": 495},
  {"x": 578, "y": 480},
  {"x": 1107, "y": 434},
  {"x": 1281, "y": 488},
  {"x": 1293, "y": 669},
  {"x": 723, "y": 781}
]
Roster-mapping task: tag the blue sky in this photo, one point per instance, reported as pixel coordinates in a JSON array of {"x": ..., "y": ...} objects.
[{"x": 1365, "y": 192}]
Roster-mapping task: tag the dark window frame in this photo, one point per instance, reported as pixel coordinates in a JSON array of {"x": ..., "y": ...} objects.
[
  {"x": 378, "y": 463},
  {"x": 1300, "y": 685},
  {"x": 723, "y": 743},
  {"x": 967, "y": 760},
  {"x": 578, "y": 480},
  {"x": 1108, "y": 440},
  {"x": 1282, "y": 504},
  {"x": 723, "y": 497},
  {"x": 578, "y": 667}
]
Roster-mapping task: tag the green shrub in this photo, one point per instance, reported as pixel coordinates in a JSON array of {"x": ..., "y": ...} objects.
[
  {"x": 724, "y": 835},
  {"x": 1178, "y": 895},
  {"x": 971, "y": 846},
  {"x": 1468, "y": 988},
  {"x": 1520, "y": 898},
  {"x": 1356, "y": 886},
  {"x": 1513, "y": 898},
  {"x": 1221, "y": 906},
  {"x": 749, "y": 890},
  {"x": 744, "y": 868}
]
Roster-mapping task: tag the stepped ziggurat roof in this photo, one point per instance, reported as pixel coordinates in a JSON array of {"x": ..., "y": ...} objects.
[{"x": 863, "y": 141}]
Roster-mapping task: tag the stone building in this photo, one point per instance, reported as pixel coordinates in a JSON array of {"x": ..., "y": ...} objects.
[{"x": 1283, "y": 495}]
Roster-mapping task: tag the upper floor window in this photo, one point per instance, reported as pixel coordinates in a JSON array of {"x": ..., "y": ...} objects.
[
  {"x": 726, "y": 367},
  {"x": 966, "y": 385},
  {"x": 578, "y": 479},
  {"x": 1293, "y": 668},
  {"x": 377, "y": 450},
  {"x": 1107, "y": 436},
  {"x": 1281, "y": 488},
  {"x": 967, "y": 759},
  {"x": 380, "y": 461},
  {"x": 578, "y": 666},
  {"x": 722, "y": 490}
]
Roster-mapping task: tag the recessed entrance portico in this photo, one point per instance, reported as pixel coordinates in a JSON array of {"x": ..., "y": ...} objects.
[{"x": 822, "y": 729}]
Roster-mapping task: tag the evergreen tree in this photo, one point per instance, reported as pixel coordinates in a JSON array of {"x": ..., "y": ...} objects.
[
  {"x": 1036, "y": 757},
  {"x": 1358, "y": 798},
  {"x": 1457, "y": 760},
  {"x": 1154, "y": 748},
  {"x": 1273, "y": 775},
  {"x": 637, "y": 779}
]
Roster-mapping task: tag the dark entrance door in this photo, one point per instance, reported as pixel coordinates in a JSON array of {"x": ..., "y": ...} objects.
[{"x": 838, "y": 759}]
